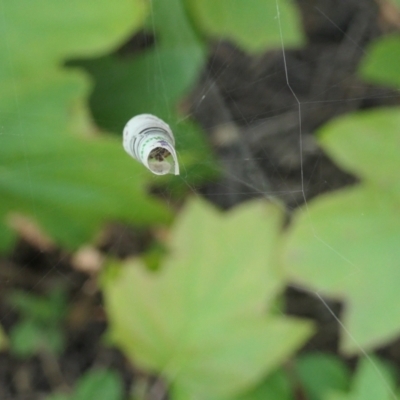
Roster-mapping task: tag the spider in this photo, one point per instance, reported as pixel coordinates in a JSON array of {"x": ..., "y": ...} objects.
[{"x": 159, "y": 153}]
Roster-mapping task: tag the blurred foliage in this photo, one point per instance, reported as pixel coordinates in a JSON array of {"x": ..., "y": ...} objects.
[
  {"x": 277, "y": 386},
  {"x": 40, "y": 34},
  {"x": 320, "y": 373},
  {"x": 251, "y": 24},
  {"x": 40, "y": 325},
  {"x": 346, "y": 244},
  {"x": 381, "y": 64},
  {"x": 153, "y": 81},
  {"x": 95, "y": 384},
  {"x": 373, "y": 380},
  {"x": 207, "y": 319},
  {"x": 53, "y": 167},
  {"x": 202, "y": 317}
]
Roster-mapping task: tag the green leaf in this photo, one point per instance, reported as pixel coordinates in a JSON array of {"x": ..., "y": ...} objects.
[
  {"x": 53, "y": 167},
  {"x": 381, "y": 64},
  {"x": 46, "y": 310},
  {"x": 368, "y": 145},
  {"x": 99, "y": 385},
  {"x": 151, "y": 81},
  {"x": 276, "y": 387},
  {"x": 28, "y": 338},
  {"x": 373, "y": 380},
  {"x": 251, "y": 24},
  {"x": 320, "y": 373},
  {"x": 71, "y": 185},
  {"x": 346, "y": 244},
  {"x": 200, "y": 320},
  {"x": 39, "y": 33}
]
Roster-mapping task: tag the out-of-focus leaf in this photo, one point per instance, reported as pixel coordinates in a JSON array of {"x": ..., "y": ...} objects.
[
  {"x": 70, "y": 185},
  {"x": 276, "y": 387},
  {"x": 381, "y": 63},
  {"x": 200, "y": 320},
  {"x": 368, "y": 145},
  {"x": 39, "y": 33},
  {"x": 151, "y": 81},
  {"x": 28, "y": 338},
  {"x": 346, "y": 244},
  {"x": 373, "y": 380},
  {"x": 50, "y": 310},
  {"x": 99, "y": 385},
  {"x": 320, "y": 373},
  {"x": 252, "y": 24},
  {"x": 95, "y": 385}
]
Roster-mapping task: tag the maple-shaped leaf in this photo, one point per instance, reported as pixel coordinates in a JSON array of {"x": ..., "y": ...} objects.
[
  {"x": 202, "y": 320},
  {"x": 347, "y": 244},
  {"x": 53, "y": 167},
  {"x": 373, "y": 380}
]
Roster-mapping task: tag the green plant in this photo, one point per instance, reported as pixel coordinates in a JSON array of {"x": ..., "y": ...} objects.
[
  {"x": 252, "y": 24},
  {"x": 55, "y": 168},
  {"x": 156, "y": 79},
  {"x": 319, "y": 373},
  {"x": 201, "y": 321},
  {"x": 40, "y": 325},
  {"x": 373, "y": 379},
  {"x": 94, "y": 385},
  {"x": 206, "y": 320},
  {"x": 345, "y": 244}
]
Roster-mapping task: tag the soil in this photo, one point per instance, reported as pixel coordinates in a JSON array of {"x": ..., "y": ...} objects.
[{"x": 251, "y": 117}]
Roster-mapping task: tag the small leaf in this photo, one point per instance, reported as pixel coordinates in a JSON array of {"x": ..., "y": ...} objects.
[
  {"x": 353, "y": 141},
  {"x": 381, "y": 64},
  {"x": 320, "y": 373},
  {"x": 28, "y": 338},
  {"x": 200, "y": 321},
  {"x": 373, "y": 380},
  {"x": 276, "y": 387},
  {"x": 46, "y": 310},
  {"x": 252, "y": 24},
  {"x": 99, "y": 385}
]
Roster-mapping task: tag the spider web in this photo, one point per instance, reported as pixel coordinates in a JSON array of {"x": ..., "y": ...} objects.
[{"x": 247, "y": 167}]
